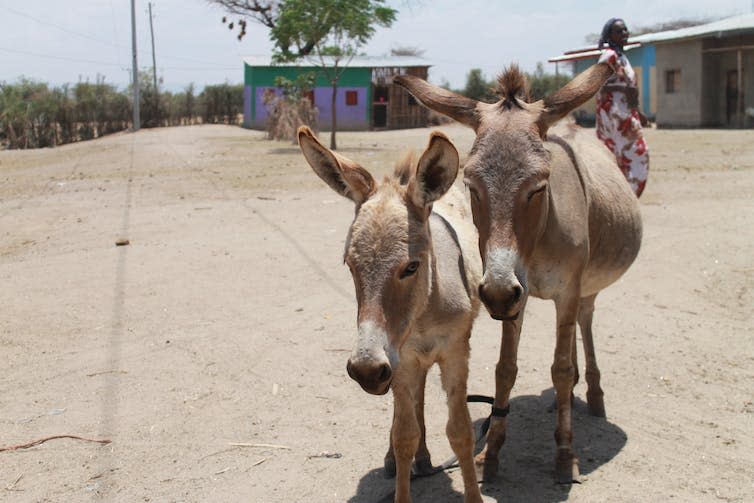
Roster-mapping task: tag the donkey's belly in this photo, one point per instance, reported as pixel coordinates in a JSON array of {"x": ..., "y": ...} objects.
[{"x": 611, "y": 258}]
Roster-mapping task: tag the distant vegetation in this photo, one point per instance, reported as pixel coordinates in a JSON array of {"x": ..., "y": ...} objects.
[
  {"x": 34, "y": 114},
  {"x": 541, "y": 84}
]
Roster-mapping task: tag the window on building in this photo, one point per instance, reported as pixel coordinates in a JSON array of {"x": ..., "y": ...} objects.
[
  {"x": 672, "y": 81},
  {"x": 352, "y": 98}
]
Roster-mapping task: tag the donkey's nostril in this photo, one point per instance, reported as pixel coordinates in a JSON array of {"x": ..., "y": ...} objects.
[{"x": 385, "y": 373}]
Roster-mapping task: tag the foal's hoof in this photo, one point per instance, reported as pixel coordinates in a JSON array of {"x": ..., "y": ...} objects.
[
  {"x": 389, "y": 466},
  {"x": 596, "y": 405},
  {"x": 567, "y": 471}
]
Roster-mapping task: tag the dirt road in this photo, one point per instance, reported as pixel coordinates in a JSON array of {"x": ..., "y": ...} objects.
[{"x": 229, "y": 317}]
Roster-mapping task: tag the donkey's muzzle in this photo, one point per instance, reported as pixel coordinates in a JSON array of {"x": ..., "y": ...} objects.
[
  {"x": 373, "y": 376},
  {"x": 502, "y": 303}
]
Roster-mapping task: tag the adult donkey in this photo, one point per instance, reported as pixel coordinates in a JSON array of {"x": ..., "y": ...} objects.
[
  {"x": 416, "y": 271},
  {"x": 556, "y": 220}
]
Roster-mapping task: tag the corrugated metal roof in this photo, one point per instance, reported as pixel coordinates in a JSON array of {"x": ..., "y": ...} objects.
[
  {"x": 356, "y": 62},
  {"x": 585, "y": 53},
  {"x": 728, "y": 26}
]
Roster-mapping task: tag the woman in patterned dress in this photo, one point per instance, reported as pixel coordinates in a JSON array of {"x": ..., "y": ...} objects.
[{"x": 619, "y": 121}]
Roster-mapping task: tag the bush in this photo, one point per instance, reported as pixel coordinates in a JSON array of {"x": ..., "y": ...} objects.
[
  {"x": 290, "y": 107},
  {"x": 33, "y": 115}
]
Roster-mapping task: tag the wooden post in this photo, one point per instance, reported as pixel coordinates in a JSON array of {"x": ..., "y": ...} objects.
[
  {"x": 135, "y": 67},
  {"x": 740, "y": 85}
]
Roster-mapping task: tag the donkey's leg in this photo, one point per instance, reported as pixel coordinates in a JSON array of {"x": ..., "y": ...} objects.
[
  {"x": 455, "y": 372},
  {"x": 575, "y": 362},
  {"x": 566, "y": 465},
  {"x": 594, "y": 394},
  {"x": 505, "y": 376},
  {"x": 405, "y": 431},
  {"x": 422, "y": 460}
]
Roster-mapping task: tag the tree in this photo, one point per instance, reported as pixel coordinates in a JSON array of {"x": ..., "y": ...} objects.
[
  {"x": 477, "y": 87},
  {"x": 336, "y": 28},
  {"x": 264, "y": 12},
  {"x": 543, "y": 84}
]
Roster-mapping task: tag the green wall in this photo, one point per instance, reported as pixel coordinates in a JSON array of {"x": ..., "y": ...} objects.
[{"x": 265, "y": 75}]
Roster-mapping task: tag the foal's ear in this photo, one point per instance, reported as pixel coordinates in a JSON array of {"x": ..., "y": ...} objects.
[
  {"x": 575, "y": 93},
  {"x": 436, "y": 171},
  {"x": 343, "y": 175}
]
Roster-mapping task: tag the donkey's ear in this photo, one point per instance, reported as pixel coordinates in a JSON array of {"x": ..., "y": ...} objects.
[
  {"x": 575, "y": 93},
  {"x": 343, "y": 175},
  {"x": 436, "y": 171},
  {"x": 455, "y": 106}
]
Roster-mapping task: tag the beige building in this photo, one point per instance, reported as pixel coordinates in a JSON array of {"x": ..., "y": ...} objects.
[{"x": 702, "y": 76}]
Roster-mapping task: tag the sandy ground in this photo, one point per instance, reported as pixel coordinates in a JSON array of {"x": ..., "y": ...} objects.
[{"x": 229, "y": 317}]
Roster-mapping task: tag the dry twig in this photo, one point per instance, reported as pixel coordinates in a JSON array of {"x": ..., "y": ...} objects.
[
  {"x": 53, "y": 437},
  {"x": 265, "y": 446},
  {"x": 12, "y": 487}
]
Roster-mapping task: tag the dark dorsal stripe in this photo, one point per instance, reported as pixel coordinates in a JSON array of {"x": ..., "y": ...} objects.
[
  {"x": 461, "y": 263},
  {"x": 553, "y": 138}
]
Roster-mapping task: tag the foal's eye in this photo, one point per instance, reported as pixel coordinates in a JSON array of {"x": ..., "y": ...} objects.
[{"x": 410, "y": 269}]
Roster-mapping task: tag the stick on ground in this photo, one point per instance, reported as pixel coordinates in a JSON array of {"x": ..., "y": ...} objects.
[{"x": 53, "y": 437}]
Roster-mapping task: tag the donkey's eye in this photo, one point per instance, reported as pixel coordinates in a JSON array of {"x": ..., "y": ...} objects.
[
  {"x": 410, "y": 269},
  {"x": 538, "y": 190}
]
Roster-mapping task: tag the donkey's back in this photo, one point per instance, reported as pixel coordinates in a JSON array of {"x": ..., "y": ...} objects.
[
  {"x": 459, "y": 266},
  {"x": 614, "y": 215}
]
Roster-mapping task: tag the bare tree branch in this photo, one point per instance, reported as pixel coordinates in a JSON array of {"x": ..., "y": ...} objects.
[{"x": 264, "y": 12}]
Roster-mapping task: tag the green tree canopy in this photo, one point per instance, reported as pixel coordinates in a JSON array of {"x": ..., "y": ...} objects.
[{"x": 336, "y": 28}]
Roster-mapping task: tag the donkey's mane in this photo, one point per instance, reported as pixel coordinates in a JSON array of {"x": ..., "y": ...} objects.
[{"x": 513, "y": 85}]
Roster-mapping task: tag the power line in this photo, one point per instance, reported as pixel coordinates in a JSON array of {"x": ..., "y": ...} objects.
[
  {"x": 62, "y": 58},
  {"x": 112, "y": 44},
  {"x": 75, "y": 60},
  {"x": 62, "y": 28}
]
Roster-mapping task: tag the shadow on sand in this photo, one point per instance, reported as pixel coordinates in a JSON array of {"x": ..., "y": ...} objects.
[{"x": 526, "y": 472}]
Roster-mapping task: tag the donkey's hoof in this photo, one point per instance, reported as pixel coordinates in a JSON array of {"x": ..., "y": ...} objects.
[
  {"x": 596, "y": 405},
  {"x": 489, "y": 466},
  {"x": 567, "y": 471},
  {"x": 423, "y": 466},
  {"x": 389, "y": 466}
]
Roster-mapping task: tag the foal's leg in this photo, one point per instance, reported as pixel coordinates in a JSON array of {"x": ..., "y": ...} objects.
[
  {"x": 505, "y": 376},
  {"x": 455, "y": 372},
  {"x": 422, "y": 460},
  {"x": 566, "y": 465},
  {"x": 594, "y": 394},
  {"x": 405, "y": 431}
]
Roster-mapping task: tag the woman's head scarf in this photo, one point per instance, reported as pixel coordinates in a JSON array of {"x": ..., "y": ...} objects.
[{"x": 605, "y": 37}]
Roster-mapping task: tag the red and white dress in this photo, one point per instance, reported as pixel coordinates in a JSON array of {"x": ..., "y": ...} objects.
[{"x": 619, "y": 125}]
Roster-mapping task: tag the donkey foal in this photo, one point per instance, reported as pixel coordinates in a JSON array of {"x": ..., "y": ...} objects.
[{"x": 416, "y": 271}]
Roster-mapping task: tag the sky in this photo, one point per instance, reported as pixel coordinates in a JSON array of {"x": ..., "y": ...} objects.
[{"x": 62, "y": 42}]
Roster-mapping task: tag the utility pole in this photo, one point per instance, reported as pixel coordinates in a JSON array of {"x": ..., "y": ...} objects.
[
  {"x": 154, "y": 71},
  {"x": 135, "y": 68}
]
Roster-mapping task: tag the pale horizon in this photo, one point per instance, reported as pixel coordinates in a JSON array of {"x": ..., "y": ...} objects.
[{"x": 59, "y": 43}]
